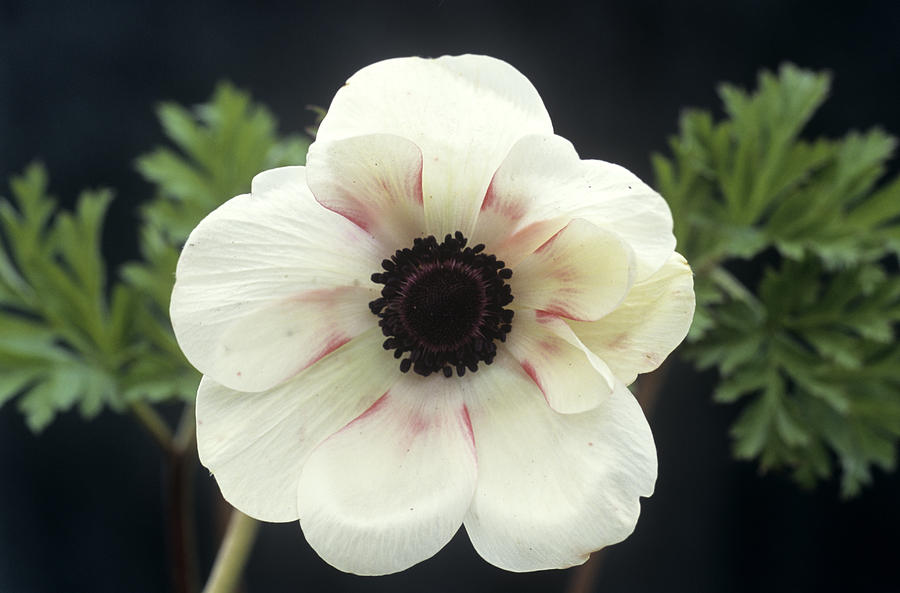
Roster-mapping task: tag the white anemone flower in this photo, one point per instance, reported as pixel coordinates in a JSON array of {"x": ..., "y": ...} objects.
[{"x": 434, "y": 324}]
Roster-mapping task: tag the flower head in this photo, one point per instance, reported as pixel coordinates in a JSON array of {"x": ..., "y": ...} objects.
[{"x": 433, "y": 324}]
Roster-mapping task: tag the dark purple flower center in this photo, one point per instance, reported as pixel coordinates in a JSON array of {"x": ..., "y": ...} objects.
[{"x": 443, "y": 305}]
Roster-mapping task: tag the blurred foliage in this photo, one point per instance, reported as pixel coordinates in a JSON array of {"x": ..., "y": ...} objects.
[
  {"x": 794, "y": 247},
  {"x": 69, "y": 337},
  {"x": 66, "y": 337},
  {"x": 219, "y": 147}
]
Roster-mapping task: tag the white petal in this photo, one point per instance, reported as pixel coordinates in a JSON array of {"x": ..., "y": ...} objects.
[
  {"x": 391, "y": 488},
  {"x": 256, "y": 443},
  {"x": 375, "y": 181},
  {"x": 464, "y": 112},
  {"x": 552, "y": 488},
  {"x": 571, "y": 377},
  {"x": 542, "y": 184},
  {"x": 270, "y": 282},
  {"x": 582, "y": 272},
  {"x": 652, "y": 320}
]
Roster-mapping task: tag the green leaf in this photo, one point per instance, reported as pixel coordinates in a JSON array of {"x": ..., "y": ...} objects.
[
  {"x": 219, "y": 147},
  {"x": 804, "y": 334},
  {"x": 64, "y": 342},
  {"x": 743, "y": 185},
  {"x": 57, "y": 347},
  {"x": 749, "y": 379},
  {"x": 69, "y": 339},
  {"x": 754, "y": 426}
]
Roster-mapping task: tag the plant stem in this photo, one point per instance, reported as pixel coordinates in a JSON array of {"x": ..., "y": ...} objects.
[
  {"x": 233, "y": 554},
  {"x": 650, "y": 386},
  {"x": 584, "y": 577},
  {"x": 179, "y": 468},
  {"x": 154, "y": 424},
  {"x": 179, "y": 502}
]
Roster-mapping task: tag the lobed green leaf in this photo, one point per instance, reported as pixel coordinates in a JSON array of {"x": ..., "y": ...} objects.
[
  {"x": 802, "y": 334},
  {"x": 69, "y": 339}
]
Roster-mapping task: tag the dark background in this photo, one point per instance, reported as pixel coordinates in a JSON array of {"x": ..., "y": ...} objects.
[{"x": 81, "y": 504}]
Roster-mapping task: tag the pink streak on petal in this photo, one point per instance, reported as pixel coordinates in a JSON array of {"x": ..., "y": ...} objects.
[
  {"x": 549, "y": 347},
  {"x": 363, "y": 218},
  {"x": 509, "y": 209},
  {"x": 467, "y": 422},
  {"x": 376, "y": 405},
  {"x": 530, "y": 370},
  {"x": 337, "y": 338},
  {"x": 418, "y": 424},
  {"x": 489, "y": 197},
  {"x": 357, "y": 218},
  {"x": 542, "y": 316},
  {"x": 334, "y": 342},
  {"x": 554, "y": 311},
  {"x": 618, "y": 343},
  {"x": 528, "y": 234},
  {"x": 420, "y": 199},
  {"x": 358, "y": 221},
  {"x": 321, "y": 295},
  {"x": 549, "y": 241},
  {"x": 565, "y": 274},
  {"x": 557, "y": 309}
]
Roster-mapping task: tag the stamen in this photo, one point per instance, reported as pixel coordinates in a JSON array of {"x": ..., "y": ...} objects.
[{"x": 442, "y": 305}]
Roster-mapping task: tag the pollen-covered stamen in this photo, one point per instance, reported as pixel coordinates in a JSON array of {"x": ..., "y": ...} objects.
[{"x": 443, "y": 305}]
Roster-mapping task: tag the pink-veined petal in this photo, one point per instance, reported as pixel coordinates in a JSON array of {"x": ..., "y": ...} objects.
[
  {"x": 652, "y": 320},
  {"x": 375, "y": 181},
  {"x": 582, "y": 272},
  {"x": 270, "y": 282},
  {"x": 255, "y": 444},
  {"x": 571, "y": 377},
  {"x": 542, "y": 185},
  {"x": 463, "y": 112},
  {"x": 391, "y": 488},
  {"x": 552, "y": 488}
]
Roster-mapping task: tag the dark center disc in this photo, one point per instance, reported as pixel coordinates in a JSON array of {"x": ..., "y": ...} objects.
[{"x": 442, "y": 305}]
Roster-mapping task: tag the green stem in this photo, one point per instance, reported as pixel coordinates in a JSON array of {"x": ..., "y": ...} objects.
[
  {"x": 155, "y": 425},
  {"x": 233, "y": 554}
]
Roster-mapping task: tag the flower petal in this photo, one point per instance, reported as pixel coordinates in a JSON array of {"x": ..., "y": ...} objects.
[
  {"x": 582, "y": 272},
  {"x": 571, "y": 377},
  {"x": 647, "y": 326},
  {"x": 542, "y": 184},
  {"x": 375, "y": 181},
  {"x": 270, "y": 282},
  {"x": 255, "y": 444},
  {"x": 552, "y": 488},
  {"x": 391, "y": 488},
  {"x": 464, "y": 112}
]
